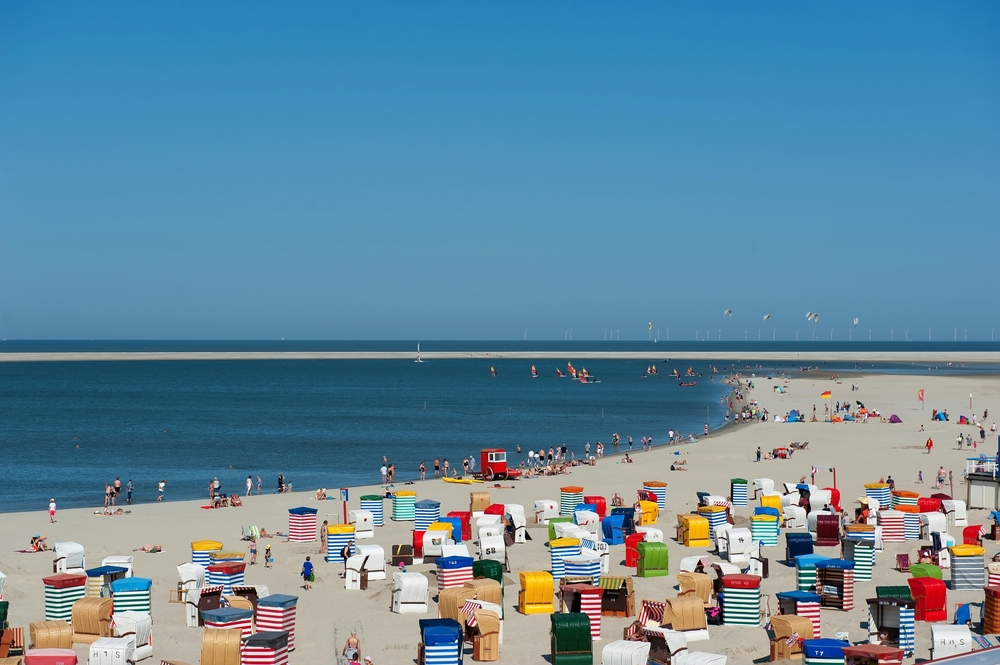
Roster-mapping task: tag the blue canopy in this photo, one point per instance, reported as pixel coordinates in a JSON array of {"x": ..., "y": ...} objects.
[
  {"x": 131, "y": 584},
  {"x": 849, "y": 417},
  {"x": 105, "y": 570},
  {"x": 302, "y": 510},
  {"x": 761, "y": 510},
  {"x": 800, "y": 596},
  {"x": 824, "y": 648}
]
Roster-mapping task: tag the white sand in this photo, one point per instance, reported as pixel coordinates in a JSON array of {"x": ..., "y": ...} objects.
[{"x": 861, "y": 452}]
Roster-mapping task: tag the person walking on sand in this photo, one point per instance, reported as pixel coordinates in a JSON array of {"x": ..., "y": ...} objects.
[
  {"x": 352, "y": 648},
  {"x": 307, "y": 574},
  {"x": 160, "y": 488},
  {"x": 445, "y": 467},
  {"x": 423, "y": 471},
  {"x": 268, "y": 559},
  {"x": 706, "y": 430},
  {"x": 385, "y": 474},
  {"x": 920, "y": 477},
  {"x": 260, "y": 485},
  {"x": 117, "y": 489},
  {"x": 128, "y": 491},
  {"x": 322, "y": 536},
  {"x": 249, "y": 485},
  {"x": 630, "y": 443},
  {"x": 930, "y": 445},
  {"x": 253, "y": 551},
  {"x": 437, "y": 467},
  {"x": 52, "y": 510}
]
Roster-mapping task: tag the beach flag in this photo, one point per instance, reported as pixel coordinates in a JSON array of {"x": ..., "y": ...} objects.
[
  {"x": 827, "y": 394},
  {"x": 920, "y": 394}
]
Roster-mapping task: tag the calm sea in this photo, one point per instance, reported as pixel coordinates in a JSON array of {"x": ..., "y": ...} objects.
[{"x": 68, "y": 428}]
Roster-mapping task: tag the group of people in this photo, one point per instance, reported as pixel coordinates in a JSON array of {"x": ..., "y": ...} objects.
[{"x": 113, "y": 490}]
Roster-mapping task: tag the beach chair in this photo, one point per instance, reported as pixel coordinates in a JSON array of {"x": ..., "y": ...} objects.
[{"x": 903, "y": 563}]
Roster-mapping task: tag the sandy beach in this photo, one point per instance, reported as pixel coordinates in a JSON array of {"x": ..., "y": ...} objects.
[{"x": 861, "y": 452}]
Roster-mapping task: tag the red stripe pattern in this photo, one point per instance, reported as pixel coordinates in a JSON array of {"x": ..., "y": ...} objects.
[
  {"x": 255, "y": 655},
  {"x": 302, "y": 528},
  {"x": 278, "y": 619}
]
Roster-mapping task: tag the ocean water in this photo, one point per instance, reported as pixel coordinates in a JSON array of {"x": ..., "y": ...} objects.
[{"x": 68, "y": 428}]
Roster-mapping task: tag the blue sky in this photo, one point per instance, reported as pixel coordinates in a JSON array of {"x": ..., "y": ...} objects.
[{"x": 469, "y": 170}]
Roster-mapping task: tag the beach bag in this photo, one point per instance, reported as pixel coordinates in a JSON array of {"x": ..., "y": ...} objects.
[{"x": 312, "y": 577}]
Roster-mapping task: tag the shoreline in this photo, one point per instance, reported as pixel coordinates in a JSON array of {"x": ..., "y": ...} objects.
[{"x": 921, "y": 357}]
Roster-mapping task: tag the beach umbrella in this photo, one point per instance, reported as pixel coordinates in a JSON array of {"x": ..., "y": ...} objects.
[
  {"x": 728, "y": 312},
  {"x": 860, "y": 405},
  {"x": 767, "y": 316}
]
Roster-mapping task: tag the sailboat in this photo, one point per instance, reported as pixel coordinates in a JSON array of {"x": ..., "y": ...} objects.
[
  {"x": 493, "y": 371},
  {"x": 419, "y": 359},
  {"x": 559, "y": 374},
  {"x": 534, "y": 372}
]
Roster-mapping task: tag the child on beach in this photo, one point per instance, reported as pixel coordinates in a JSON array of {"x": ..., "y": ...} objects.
[
  {"x": 307, "y": 574},
  {"x": 52, "y": 510},
  {"x": 268, "y": 559},
  {"x": 920, "y": 477}
]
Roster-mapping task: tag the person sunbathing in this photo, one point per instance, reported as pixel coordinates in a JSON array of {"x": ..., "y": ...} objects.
[
  {"x": 677, "y": 467},
  {"x": 151, "y": 549},
  {"x": 38, "y": 543},
  {"x": 235, "y": 501},
  {"x": 321, "y": 494}
]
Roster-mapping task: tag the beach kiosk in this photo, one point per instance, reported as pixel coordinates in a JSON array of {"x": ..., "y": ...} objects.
[
  {"x": 99, "y": 580},
  {"x": 764, "y": 529},
  {"x": 201, "y": 551},
  {"x": 230, "y": 618},
  {"x": 133, "y": 594},
  {"x": 893, "y": 526},
  {"x": 61, "y": 591},
  {"x": 266, "y": 648},
  {"x": 426, "y": 512},
  {"x": 409, "y": 593},
  {"x": 276, "y": 613},
  {"x": 738, "y": 491},
  {"x": 931, "y": 599},
  {"x": 740, "y": 600},
  {"x": 881, "y": 492},
  {"x": 403, "y": 506},
  {"x": 536, "y": 593},
  {"x": 337, "y": 536},
  {"x": 374, "y": 504},
  {"x": 571, "y": 639},
  {"x": 891, "y": 622},
  {"x": 569, "y": 497},
  {"x": 558, "y": 550},
  {"x": 991, "y": 610},
  {"x": 659, "y": 489},
  {"x": 805, "y": 570},
  {"x": 585, "y": 598},
  {"x": 835, "y": 584},
  {"x": 872, "y": 654},
  {"x": 441, "y": 642},
  {"x": 804, "y": 604},
  {"x": 453, "y": 571},
  {"x": 302, "y": 524},
  {"x": 823, "y": 652},
  {"x": 226, "y": 575},
  {"x": 968, "y": 572},
  {"x": 364, "y": 523},
  {"x": 716, "y": 516},
  {"x": 862, "y": 553}
]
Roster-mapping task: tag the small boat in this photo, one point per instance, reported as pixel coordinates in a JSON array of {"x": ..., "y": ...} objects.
[
  {"x": 560, "y": 374},
  {"x": 534, "y": 372},
  {"x": 461, "y": 481},
  {"x": 586, "y": 378},
  {"x": 493, "y": 371},
  {"x": 688, "y": 385}
]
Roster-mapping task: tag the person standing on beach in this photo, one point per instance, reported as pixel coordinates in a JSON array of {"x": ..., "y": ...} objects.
[
  {"x": 307, "y": 574},
  {"x": 930, "y": 445},
  {"x": 437, "y": 466},
  {"x": 586, "y": 449},
  {"x": 345, "y": 554},
  {"x": 268, "y": 559},
  {"x": 161, "y": 487},
  {"x": 392, "y": 474},
  {"x": 52, "y": 510},
  {"x": 253, "y": 551},
  {"x": 118, "y": 489},
  {"x": 385, "y": 474},
  {"x": 322, "y": 536},
  {"x": 128, "y": 491},
  {"x": 260, "y": 485},
  {"x": 445, "y": 467},
  {"x": 107, "y": 494},
  {"x": 423, "y": 471},
  {"x": 758, "y": 453},
  {"x": 920, "y": 477},
  {"x": 249, "y": 485},
  {"x": 706, "y": 430},
  {"x": 630, "y": 443},
  {"x": 465, "y": 467}
]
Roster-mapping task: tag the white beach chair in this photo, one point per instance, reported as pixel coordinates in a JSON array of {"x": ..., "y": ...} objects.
[
  {"x": 794, "y": 516},
  {"x": 545, "y": 509},
  {"x": 409, "y": 593}
]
